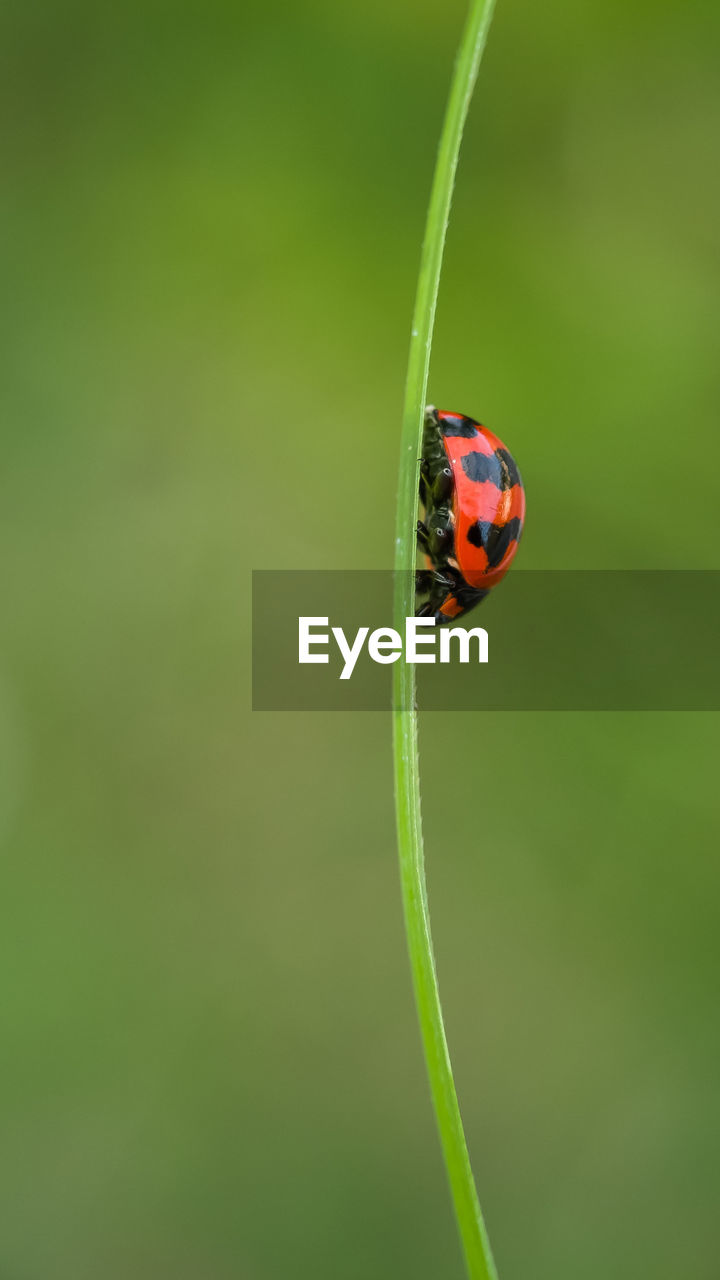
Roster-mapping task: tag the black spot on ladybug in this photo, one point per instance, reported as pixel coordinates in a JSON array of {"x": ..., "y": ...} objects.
[
  {"x": 494, "y": 538},
  {"x": 511, "y": 475},
  {"x": 480, "y": 467},
  {"x": 457, "y": 425}
]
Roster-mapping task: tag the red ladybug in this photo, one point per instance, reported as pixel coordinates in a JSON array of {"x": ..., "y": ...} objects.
[{"x": 474, "y": 504}]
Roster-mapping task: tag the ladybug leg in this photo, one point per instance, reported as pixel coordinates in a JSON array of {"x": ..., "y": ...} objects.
[
  {"x": 442, "y": 585},
  {"x": 432, "y": 587},
  {"x": 432, "y": 579},
  {"x": 439, "y": 532},
  {"x": 423, "y": 537},
  {"x": 426, "y": 592},
  {"x": 442, "y": 486},
  {"x": 429, "y": 579}
]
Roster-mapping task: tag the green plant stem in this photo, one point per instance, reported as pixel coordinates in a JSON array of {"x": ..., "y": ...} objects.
[{"x": 474, "y": 1237}]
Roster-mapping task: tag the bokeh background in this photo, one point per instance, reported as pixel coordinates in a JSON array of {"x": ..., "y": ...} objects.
[{"x": 211, "y": 224}]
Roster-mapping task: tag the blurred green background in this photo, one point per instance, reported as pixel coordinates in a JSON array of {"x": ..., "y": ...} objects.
[{"x": 211, "y": 225}]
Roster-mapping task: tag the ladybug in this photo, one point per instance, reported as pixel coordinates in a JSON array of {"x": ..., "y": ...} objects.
[{"x": 474, "y": 508}]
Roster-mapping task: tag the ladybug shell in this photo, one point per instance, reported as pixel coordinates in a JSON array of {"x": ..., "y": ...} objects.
[{"x": 488, "y": 500}]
